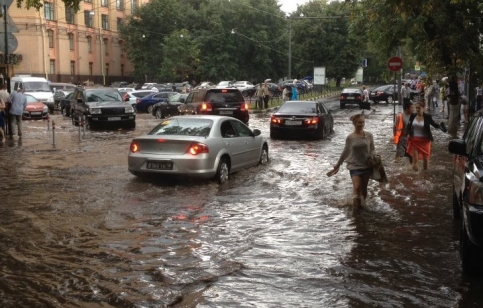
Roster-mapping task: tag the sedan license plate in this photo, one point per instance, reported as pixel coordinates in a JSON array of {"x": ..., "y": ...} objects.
[
  {"x": 36, "y": 113},
  {"x": 287, "y": 122},
  {"x": 159, "y": 165},
  {"x": 226, "y": 112},
  {"x": 114, "y": 119},
  {"x": 348, "y": 97}
]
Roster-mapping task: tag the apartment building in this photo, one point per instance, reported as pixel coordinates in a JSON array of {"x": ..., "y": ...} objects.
[{"x": 64, "y": 46}]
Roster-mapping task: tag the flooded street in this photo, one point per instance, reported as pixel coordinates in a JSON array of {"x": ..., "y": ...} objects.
[{"x": 78, "y": 230}]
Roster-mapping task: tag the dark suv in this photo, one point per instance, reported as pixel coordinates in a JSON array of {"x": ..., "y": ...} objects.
[
  {"x": 101, "y": 106},
  {"x": 225, "y": 101},
  {"x": 468, "y": 193}
]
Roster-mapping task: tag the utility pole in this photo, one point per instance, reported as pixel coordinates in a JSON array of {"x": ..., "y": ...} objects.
[
  {"x": 289, "y": 49},
  {"x": 5, "y": 58}
]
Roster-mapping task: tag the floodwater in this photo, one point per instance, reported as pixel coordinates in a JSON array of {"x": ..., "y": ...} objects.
[{"x": 78, "y": 230}]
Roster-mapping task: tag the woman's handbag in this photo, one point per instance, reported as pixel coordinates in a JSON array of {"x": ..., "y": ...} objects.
[{"x": 378, "y": 172}]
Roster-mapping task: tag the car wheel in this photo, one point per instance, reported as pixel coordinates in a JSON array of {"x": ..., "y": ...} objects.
[
  {"x": 223, "y": 171},
  {"x": 264, "y": 156},
  {"x": 150, "y": 109},
  {"x": 456, "y": 206},
  {"x": 158, "y": 114},
  {"x": 342, "y": 105},
  {"x": 469, "y": 253}
]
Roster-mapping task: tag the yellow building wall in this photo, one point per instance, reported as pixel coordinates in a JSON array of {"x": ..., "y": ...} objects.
[{"x": 108, "y": 62}]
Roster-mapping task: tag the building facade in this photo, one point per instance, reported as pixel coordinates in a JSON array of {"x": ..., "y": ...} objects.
[{"x": 66, "y": 46}]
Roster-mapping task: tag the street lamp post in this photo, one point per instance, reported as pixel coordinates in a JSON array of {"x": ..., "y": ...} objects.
[
  {"x": 290, "y": 50},
  {"x": 101, "y": 54}
]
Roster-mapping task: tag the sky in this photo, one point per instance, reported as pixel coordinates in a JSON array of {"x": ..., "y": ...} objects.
[{"x": 289, "y": 6}]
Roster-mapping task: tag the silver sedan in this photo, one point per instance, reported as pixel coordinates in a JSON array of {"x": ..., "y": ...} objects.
[{"x": 199, "y": 146}]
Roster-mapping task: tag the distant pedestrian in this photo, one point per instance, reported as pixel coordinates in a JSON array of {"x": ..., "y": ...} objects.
[
  {"x": 399, "y": 131},
  {"x": 18, "y": 103},
  {"x": 406, "y": 93},
  {"x": 420, "y": 136},
  {"x": 295, "y": 94},
  {"x": 2, "y": 120},
  {"x": 358, "y": 148},
  {"x": 184, "y": 88},
  {"x": 365, "y": 94},
  {"x": 287, "y": 93},
  {"x": 263, "y": 95}
]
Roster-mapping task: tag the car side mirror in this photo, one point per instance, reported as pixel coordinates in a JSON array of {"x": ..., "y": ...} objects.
[
  {"x": 458, "y": 147},
  {"x": 256, "y": 132}
]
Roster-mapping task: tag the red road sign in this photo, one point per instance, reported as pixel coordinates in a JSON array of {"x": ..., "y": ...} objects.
[{"x": 394, "y": 64}]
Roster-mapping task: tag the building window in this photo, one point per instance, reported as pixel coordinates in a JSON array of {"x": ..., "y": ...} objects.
[
  {"x": 119, "y": 5},
  {"x": 122, "y": 69},
  {"x": 107, "y": 69},
  {"x": 105, "y": 22},
  {"x": 104, "y": 2},
  {"x": 52, "y": 67},
  {"x": 134, "y": 5},
  {"x": 49, "y": 11},
  {"x": 119, "y": 23},
  {"x": 71, "y": 40},
  {"x": 50, "y": 34},
  {"x": 69, "y": 15},
  {"x": 72, "y": 68},
  {"x": 90, "y": 68},
  {"x": 88, "y": 19},
  {"x": 106, "y": 50},
  {"x": 89, "y": 43}
]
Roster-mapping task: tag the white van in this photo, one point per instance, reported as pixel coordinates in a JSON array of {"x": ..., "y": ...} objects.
[{"x": 38, "y": 87}]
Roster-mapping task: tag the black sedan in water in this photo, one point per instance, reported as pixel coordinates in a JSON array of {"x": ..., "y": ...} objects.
[
  {"x": 305, "y": 119},
  {"x": 350, "y": 96},
  {"x": 170, "y": 107},
  {"x": 386, "y": 94}
]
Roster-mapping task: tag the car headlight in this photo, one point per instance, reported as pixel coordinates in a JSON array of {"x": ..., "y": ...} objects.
[
  {"x": 129, "y": 109},
  {"x": 45, "y": 109},
  {"x": 95, "y": 110}
]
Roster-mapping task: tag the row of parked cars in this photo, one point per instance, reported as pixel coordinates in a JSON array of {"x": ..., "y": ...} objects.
[{"x": 385, "y": 93}]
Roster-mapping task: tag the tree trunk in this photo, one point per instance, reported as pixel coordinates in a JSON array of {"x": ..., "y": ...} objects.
[
  {"x": 337, "y": 82},
  {"x": 454, "y": 119}
]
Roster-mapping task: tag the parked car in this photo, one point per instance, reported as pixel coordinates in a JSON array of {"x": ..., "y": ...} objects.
[
  {"x": 243, "y": 86},
  {"x": 146, "y": 103},
  {"x": 351, "y": 96},
  {"x": 170, "y": 107},
  {"x": 101, "y": 106},
  {"x": 132, "y": 96},
  {"x": 119, "y": 84},
  {"x": 64, "y": 105},
  {"x": 60, "y": 91},
  {"x": 35, "y": 110},
  {"x": 147, "y": 85},
  {"x": 228, "y": 101},
  {"x": 305, "y": 119},
  {"x": 224, "y": 84},
  {"x": 205, "y": 85},
  {"x": 386, "y": 93},
  {"x": 197, "y": 146},
  {"x": 468, "y": 193}
]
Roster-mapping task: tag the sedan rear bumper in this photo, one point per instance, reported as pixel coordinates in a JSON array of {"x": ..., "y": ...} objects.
[{"x": 197, "y": 166}]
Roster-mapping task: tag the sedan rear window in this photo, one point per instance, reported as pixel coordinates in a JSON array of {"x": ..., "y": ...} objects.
[
  {"x": 183, "y": 127},
  {"x": 224, "y": 96},
  {"x": 298, "y": 107}
]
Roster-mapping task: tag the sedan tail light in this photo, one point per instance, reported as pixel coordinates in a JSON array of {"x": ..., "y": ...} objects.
[
  {"x": 197, "y": 148},
  {"x": 134, "y": 147},
  {"x": 341, "y": 97},
  {"x": 274, "y": 119},
  {"x": 312, "y": 121},
  {"x": 206, "y": 107},
  {"x": 244, "y": 107}
]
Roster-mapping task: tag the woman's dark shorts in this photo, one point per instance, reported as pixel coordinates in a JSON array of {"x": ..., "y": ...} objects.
[{"x": 360, "y": 171}]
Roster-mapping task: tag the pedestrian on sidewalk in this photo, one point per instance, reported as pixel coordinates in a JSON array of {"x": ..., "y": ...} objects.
[
  {"x": 263, "y": 95},
  {"x": 420, "y": 136},
  {"x": 406, "y": 93},
  {"x": 2, "y": 120},
  {"x": 399, "y": 131},
  {"x": 18, "y": 103},
  {"x": 358, "y": 148},
  {"x": 295, "y": 93}
]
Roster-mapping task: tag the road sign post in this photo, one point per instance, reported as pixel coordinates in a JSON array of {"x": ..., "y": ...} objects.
[{"x": 395, "y": 65}]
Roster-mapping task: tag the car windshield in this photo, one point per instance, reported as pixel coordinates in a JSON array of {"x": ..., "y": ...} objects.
[
  {"x": 224, "y": 96},
  {"x": 36, "y": 86},
  {"x": 103, "y": 96},
  {"x": 298, "y": 108},
  {"x": 183, "y": 127},
  {"x": 174, "y": 98},
  {"x": 31, "y": 100}
]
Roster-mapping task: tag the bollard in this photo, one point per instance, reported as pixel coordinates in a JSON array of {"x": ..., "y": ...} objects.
[
  {"x": 83, "y": 126},
  {"x": 48, "y": 124},
  {"x": 53, "y": 133},
  {"x": 79, "y": 126}
]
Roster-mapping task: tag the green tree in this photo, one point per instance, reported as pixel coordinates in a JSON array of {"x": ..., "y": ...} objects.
[
  {"x": 441, "y": 34},
  {"x": 322, "y": 34}
]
